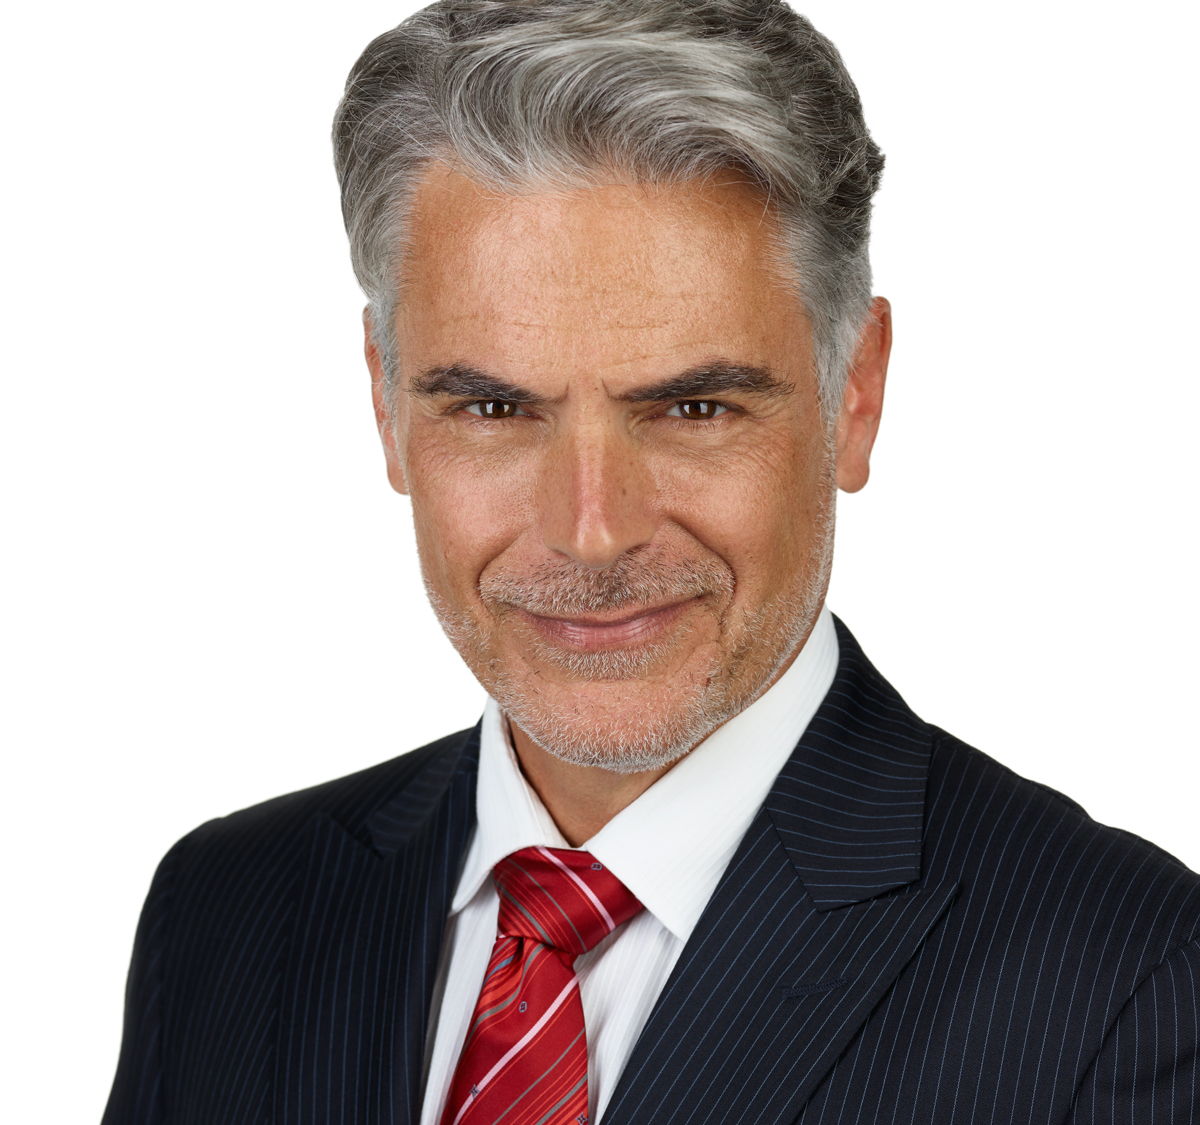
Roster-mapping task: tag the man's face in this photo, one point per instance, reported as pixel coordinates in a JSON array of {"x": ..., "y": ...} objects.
[{"x": 610, "y": 430}]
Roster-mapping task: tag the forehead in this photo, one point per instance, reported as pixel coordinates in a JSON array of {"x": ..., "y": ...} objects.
[{"x": 609, "y": 275}]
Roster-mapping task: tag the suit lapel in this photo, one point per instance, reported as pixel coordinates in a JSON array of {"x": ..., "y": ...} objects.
[
  {"x": 820, "y": 910},
  {"x": 364, "y": 957}
]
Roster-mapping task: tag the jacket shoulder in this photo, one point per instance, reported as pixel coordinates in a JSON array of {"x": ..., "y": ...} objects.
[
  {"x": 1006, "y": 788},
  {"x": 1000, "y": 831},
  {"x": 220, "y": 917},
  {"x": 350, "y": 801}
]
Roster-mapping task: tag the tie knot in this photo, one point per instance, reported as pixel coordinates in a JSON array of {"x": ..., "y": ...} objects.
[{"x": 561, "y": 898}]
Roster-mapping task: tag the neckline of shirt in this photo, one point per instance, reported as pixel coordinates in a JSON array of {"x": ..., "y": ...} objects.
[{"x": 670, "y": 846}]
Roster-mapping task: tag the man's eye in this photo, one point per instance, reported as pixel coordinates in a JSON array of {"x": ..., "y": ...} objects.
[
  {"x": 493, "y": 408},
  {"x": 698, "y": 409}
]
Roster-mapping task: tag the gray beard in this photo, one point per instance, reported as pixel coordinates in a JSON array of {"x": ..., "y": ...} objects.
[{"x": 704, "y": 701}]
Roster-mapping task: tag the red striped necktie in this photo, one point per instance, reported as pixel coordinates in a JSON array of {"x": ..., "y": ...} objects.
[{"x": 524, "y": 1061}]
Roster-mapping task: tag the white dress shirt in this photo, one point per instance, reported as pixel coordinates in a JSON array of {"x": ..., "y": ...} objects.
[{"x": 670, "y": 847}]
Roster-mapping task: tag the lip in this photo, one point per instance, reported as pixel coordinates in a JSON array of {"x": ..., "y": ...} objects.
[{"x": 593, "y": 633}]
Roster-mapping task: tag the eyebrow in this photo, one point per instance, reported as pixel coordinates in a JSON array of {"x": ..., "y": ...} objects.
[
  {"x": 711, "y": 379},
  {"x": 463, "y": 381}
]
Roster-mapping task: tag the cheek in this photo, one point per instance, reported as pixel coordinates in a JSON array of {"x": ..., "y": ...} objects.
[
  {"x": 465, "y": 513},
  {"x": 757, "y": 509}
]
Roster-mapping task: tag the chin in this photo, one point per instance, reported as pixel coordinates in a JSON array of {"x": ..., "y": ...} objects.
[
  {"x": 619, "y": 725},
  {"x": 615, "y": 713}
]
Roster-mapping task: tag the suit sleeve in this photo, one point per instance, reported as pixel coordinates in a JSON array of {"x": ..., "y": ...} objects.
[
  {"x": 137, "y": 1096},
  {"x": 1148, "y": 1070}
]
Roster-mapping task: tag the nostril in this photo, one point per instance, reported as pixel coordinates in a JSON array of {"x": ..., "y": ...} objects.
[{"x": 597, "y": 498}]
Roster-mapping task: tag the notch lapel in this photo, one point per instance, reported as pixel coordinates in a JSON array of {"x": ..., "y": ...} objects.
[
  {"x": 820, "y": 910},
  {"x": 360, "y": 974}
]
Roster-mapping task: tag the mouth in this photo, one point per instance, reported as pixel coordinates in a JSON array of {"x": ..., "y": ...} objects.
[{"x": 621, "y": 629}]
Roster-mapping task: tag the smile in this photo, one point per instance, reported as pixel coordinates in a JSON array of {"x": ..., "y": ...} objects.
[{"x": 594, "y": 632}]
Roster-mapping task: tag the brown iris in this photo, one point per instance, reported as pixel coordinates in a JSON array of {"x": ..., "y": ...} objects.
[
  {"x": 699, "y": 408},
  {"x": 496, "y": 408}
]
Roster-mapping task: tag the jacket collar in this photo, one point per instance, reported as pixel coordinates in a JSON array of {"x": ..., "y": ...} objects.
[
  {"x": 811, "y": 918},
  {"x": 396, "y": 824},
  {"x": 361, "y": 966},
  {"x": 822, "y": 908},
  {"x": 849, "y": 804}
]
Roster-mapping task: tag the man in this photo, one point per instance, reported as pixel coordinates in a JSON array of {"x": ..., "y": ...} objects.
[{"x": 698, "y": 862}]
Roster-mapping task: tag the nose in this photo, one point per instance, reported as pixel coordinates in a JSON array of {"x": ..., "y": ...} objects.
[{"x": 597, "y": 496}]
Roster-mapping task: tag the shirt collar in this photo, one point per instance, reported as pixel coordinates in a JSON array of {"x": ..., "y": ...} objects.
[
  {"x": 670, "y": 846},
  {"x": 509, "y": 815}
]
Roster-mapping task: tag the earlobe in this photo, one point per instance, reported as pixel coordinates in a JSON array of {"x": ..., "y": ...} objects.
[
  {"x": 384, "y": 420},
  {"x": 862, "y": 401}
]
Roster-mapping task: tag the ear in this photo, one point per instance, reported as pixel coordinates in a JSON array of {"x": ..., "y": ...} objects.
[
  {"x": 862, "y": 402},
  {"x": 383, "y": 414}
]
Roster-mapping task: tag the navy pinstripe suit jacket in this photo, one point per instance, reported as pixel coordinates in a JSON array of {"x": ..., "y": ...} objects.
[{"x": 909, "y": 933}]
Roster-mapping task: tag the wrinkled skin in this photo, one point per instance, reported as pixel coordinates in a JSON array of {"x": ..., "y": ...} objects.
[{"x": 621, "y": 481}]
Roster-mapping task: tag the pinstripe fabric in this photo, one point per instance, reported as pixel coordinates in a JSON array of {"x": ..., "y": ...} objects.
[
  {"x": 909, "y": 933},
  {"x": 1158, "y": 1028},
  {"x": 285, "y": 958},
  {"x": 995, "y": 1011}
]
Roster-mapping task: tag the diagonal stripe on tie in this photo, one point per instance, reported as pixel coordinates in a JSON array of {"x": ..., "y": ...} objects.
[{"x": 524, "y": 1061}]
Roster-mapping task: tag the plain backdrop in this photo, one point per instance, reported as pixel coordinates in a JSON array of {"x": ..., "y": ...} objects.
[{"x": 210, "y": 594}]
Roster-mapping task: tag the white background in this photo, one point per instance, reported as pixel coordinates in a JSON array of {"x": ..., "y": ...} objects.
[{"x": 210, "y": 594}]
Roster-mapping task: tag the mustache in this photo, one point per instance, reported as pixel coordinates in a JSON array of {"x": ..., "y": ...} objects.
[{"x": 640, "y": 577}]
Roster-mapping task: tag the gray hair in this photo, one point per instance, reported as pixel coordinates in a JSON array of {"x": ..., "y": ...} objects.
[{"x": 558, "y": 94}]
